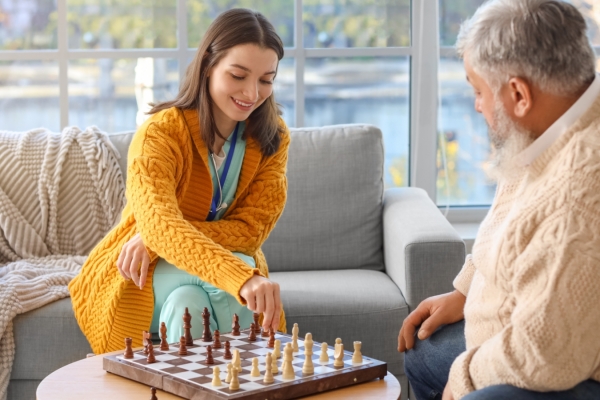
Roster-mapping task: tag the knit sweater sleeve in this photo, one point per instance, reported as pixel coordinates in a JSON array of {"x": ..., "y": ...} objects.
[
  {"x": 156, "y": 159},
  {"x": 254, "y": 214},
  {"x": 549, "y": 341},
  {"x": 462, "y": 282}
]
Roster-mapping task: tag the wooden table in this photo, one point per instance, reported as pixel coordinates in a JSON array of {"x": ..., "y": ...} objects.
[{"x": 85, "y": 379}]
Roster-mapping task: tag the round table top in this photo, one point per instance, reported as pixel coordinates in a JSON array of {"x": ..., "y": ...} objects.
[{"x": 85, "y": 379}]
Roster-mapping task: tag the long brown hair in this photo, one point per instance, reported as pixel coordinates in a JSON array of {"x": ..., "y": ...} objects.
[{"x": 229, "y": 29}]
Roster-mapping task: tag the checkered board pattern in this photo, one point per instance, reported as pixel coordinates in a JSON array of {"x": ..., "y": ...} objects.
[{"x": 192, "y": 371}]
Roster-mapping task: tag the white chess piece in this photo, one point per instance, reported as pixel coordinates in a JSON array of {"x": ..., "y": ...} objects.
[
  {"x": 277, "y": 350},
  {"x": 274, "y": 366},
  {"x": 288, "y": 369},
  {"x": 338, "y": 356},
  {"x": 268, "y": 374},
  {"x": 357, "y": 356},
  {"x": 236, "y": 361},
  {"x": 235, "y": 382},
  {"x": 295, "y": 331},
  {"x": 229, "y": 375},
  {"x": 255, "y": 371},
  {"x": 216, "y": 376},
  {"x": 324, "y": 356},
  {"x": 308, "y": 367}
]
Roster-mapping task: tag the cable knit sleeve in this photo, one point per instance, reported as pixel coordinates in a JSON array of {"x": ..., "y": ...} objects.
[
  {"x": 155, "y": 168},
  {"x": 253, "y": 216},
  {"x": 551, "y": 322},
  {"x": 462, "y": 282}
]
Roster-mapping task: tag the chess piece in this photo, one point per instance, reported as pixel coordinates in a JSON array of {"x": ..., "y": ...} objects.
[
  {"x": 295, "y": 331},
  {"x": 145, "y": 341},
  {"x": 128, "y": 349},
  {"x": 150, "y": 359},
  {"x": 308, "y": 367},
  {"x": 252, "y": 334},
  {"x": 288, "y": 368},
  {"x": 217, "y": 340},
  {"x": 235, "y": 326},
  {"x": 274, "y": 366},
  {"x": 182, "y": 348},
  {"x": 266, "y": 333},
  {"x": 255, "y": 371},
  {"x": 153, "y": 392},
  {"x": 187, "y": 326},
  {"x": 209, "y": 357},
  {"x": 228, "y": 377},
  {"x": 256, "y": 316},
  {"x": 235, "y": 383},
  {"x": 237, "y": 361},
  {"x": 338, "y": 355},
  {"x": 324, "y": 355},
  {"x": 271, "y": 342},
  {"x": 277, "y": 349},
  {"x": 206, "y": 335},
  {"x": 268, "y": 374},
  {"x": 357, "y": 356},
  {"x": 216, "y": 377},
  {"x": 227, "y": 354},
  {"x": 164, "y": 345}
]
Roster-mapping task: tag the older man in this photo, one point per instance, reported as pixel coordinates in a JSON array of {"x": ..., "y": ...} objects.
[{"x": 530, "y": 292}]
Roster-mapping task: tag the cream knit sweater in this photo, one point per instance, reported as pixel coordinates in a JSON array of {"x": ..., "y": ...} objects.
[{"x": 532, "y": 315}]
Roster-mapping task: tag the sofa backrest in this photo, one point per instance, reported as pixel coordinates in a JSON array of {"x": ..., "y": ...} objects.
[{"x": 332, "y": 218}]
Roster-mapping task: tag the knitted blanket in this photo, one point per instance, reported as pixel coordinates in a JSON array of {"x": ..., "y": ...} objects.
[{"x": 60, "y": 193}]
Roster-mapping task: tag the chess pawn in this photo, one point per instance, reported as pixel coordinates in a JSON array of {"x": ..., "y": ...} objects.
[
  {"x": 145, "y": 341},
  {"x": 227, "y": 355},
  {"x": 338, "y": 356},
  {"x": 277, "y": 349},
  {"x": 237, "y": 361},
  {"x": 274, "y": 367},
  {"x": 216, "y": 381},
  {"x": 252, "y": 334},
  {"x": 153, "y": 393},
  {"x": 308, "y": 367},
  {"x": 295, "y": 331},
  {"x": 182, "y": 348},
  {"x": 128, "y": 349},
  {"x": 267, "y": 333},
  {"x": 255, "y": 371},
  {"x": 324, "y": 356},
  {"x": 357, "y": 356},
  {"x": 209, "y": 357},
  {"x": 235, "y": 325},
  {"x": 235, "y": 383},
  {"x": 229, "y": 374},
  {"x": 256, "y": 316},
  {"x": 268, "y": 374},
  {"x": 217, "y": 340},
  {"x": 288, "y": 368},
  {"x": 271, "y": 343},
  {"x": 164, "y": 345},
  {"x": 151, "y": 359}
]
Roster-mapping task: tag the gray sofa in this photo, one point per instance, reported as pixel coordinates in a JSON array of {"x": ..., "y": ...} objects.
[{"x": 352, "y": 258}]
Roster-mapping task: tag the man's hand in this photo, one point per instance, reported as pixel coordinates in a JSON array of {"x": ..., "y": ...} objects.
[
  {"x": 447, "y": 393},
  {"x": 430, "y": 314},
  {"x": 132, "y": 255},
  {"x": 262, "y": 296}
]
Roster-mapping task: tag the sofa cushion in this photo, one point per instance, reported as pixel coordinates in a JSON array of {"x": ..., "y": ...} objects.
[
  {"x": 121, "y": 140},
  {"x": 353, "y": 305},
  {"x": 46, "y": 339},
  {"x": 332, "y": 219}
]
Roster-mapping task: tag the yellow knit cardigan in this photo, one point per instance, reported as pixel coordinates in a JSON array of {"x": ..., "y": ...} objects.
[{"x": 161, "y": 155}]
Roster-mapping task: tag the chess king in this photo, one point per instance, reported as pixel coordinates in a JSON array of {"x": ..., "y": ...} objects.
[
  {"x": 206, "y": 184},
  {"x": 523, "y": 320}
]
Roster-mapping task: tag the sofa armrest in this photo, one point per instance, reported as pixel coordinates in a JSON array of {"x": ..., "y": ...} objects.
[{"x": 422, "y": 251}]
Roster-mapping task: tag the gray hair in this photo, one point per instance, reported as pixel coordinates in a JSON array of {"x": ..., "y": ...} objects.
[{"x": 543, "y": 41}]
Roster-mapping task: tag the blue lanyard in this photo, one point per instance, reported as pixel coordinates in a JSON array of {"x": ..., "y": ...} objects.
[{"x": 216, "y": 196}]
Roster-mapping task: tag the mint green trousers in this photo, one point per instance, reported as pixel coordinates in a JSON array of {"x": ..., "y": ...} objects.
[{"x": 175, "y": 289}]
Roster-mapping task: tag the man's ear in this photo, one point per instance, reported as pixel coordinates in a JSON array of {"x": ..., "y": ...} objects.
[{"x": 520, "y": 95}]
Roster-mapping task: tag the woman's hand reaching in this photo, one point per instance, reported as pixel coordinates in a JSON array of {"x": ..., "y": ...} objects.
[{"x": 133, "y": 261}]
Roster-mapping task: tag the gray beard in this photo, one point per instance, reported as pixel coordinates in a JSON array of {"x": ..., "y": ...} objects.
[{"x": 508, "y": 140}]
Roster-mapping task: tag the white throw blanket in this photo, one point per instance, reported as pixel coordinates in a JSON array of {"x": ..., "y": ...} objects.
[{"x": 60, "y": 193}]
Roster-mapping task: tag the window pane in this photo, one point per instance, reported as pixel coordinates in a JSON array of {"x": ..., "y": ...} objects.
[
  {"x": 463, "y": 141},
  {"x": 452, "y": 14},
  {"x": 114, "y": 94},
  {"x": 26, "y": 25},
  {"x": 366, "y": 90},
  {"x": 201, "y": 13},
  {"x": 284, "y": 90},
  {"x": 122, "y": 24},
  {"x": 29, "y": 95},
  {"x": 356, "y": 23}
]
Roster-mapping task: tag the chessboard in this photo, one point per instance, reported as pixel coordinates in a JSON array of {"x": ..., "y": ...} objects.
[{"x": 190, "y": 377}]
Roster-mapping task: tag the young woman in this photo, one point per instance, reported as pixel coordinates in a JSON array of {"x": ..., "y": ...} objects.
[{"x": 205, "y": 185}]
